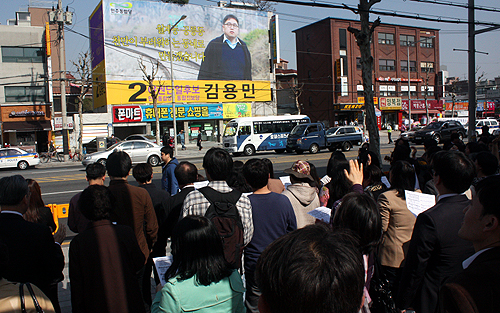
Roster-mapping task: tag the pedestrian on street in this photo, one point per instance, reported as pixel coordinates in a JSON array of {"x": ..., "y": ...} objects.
[
  {"x": 198, "y": 141},
  {"x": 181, "y": 139},
  {"x": 389, "y": 132}
]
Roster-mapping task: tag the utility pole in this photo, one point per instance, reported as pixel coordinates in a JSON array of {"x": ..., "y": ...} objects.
[
  {"x": 60, "y": 17},
  {"x": 471, "y": 136}
]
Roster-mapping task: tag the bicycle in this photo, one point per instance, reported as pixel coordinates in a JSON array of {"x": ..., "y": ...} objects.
[
  {"x": 76, "y": 157},
  {"x": 46, "y": 156}
]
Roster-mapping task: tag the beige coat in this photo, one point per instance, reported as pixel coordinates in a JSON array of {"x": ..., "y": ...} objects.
[
  {"x": 397, "y": 225},
  {"x": 304, "y": 198}
]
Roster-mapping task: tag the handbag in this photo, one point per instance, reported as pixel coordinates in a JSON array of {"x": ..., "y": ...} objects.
[
  {"x": 380, "y": 293},
  {"x": 38, "y": 308}
]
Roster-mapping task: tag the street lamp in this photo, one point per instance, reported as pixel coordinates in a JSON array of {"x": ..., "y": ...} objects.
[
  {"x": 408, "y": 54},
  {"x": 172, "y": 81}
]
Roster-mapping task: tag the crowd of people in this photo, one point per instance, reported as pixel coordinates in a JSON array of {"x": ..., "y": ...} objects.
[{"x": 245, "y": 242}]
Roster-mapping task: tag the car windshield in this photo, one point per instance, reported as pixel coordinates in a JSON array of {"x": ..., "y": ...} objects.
[
  {"x": 331, "y": 130},
  {"x": 230, "y": 129},
  {"x": 150, "y": 137},
  {"x": 434, "y": 126},
  {"x": 298, "y": 130}
]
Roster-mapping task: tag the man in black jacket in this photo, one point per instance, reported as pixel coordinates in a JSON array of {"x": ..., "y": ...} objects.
[
  {"x": 33, "y": 255},
  {"x": 227, "y": 57}
]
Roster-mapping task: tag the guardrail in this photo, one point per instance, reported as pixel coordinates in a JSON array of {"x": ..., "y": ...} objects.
[{"x": 58, "y": 211}]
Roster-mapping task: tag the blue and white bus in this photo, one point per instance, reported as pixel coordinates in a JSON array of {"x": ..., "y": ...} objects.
[{"x": 249, "y": 134}]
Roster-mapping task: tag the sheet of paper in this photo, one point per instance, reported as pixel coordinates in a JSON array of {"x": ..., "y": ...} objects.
[
  {"x": 162, "y": 264},
  {"x": 321, "y": 213},
  {"x": 325, "y": 180},
  {"x": 386, "y": 181},
  {"x": 418, "y": 202},
  {"x": 285, "y": 180},
  {"x": 200, "y": 184}
]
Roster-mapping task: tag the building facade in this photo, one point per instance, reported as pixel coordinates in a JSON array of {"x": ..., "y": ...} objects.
[
  {"x": 24, "y": 109},
  {"x": 329, "y": 69}
]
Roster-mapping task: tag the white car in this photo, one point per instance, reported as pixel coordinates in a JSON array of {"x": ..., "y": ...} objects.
[
  {"x": 140, "y": 151},
  {"x": 15, "y": 157}
]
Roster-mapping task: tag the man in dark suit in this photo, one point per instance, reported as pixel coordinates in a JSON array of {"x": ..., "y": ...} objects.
[
  {"x": 133, "y": 206},
  {"x": 436, "y": 252},
  {"x": 143, "y": 174},
  {"x": 104, "y": 259},
  {"x": 33, "y": 255},
  {"x": 186, "y": 174},
  {"x": 476, "y": 289}
]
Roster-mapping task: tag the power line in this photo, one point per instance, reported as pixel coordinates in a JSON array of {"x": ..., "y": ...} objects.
[{"x": 459, "y": 5}]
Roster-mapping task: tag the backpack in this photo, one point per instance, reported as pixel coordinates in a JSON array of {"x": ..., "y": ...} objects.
[{"x": 226, "y": 218}]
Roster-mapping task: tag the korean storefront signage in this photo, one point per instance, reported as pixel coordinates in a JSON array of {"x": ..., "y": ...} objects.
[
  {"x": 26, "y": 113},
  {"x": 420, "y": 105},
  {"x": 390, "y": 103},
  {"x": 351, "y": 106},
  {"x": 235, "y": 110},
  {"x": 362, "y": 100},
  {"x": 398, "y": 79},
  {"x": 145, "y": 113}
]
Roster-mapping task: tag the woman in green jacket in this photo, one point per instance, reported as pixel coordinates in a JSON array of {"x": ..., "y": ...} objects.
[{"x": 199, "y": 279}]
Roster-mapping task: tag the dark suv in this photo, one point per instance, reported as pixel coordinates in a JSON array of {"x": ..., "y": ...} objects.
[{"x": 439, "y": 131}]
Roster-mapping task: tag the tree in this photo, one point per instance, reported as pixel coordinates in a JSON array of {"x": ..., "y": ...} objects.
[
  {"x": 84, "y": 78},
  {"x": 153, "y": 91},
  {"x": 363, "y": 38},
  {"x": 297, "y": 91}
]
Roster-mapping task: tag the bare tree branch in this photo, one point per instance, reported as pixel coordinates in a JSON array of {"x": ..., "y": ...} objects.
[
  {"x": 349, "y": 8},
  {"x": 375, "y": 24}
]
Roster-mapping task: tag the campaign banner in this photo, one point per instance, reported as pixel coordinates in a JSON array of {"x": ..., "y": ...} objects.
[
  {"x": 146, "y": 113},
  {"x": 235, "y": 110},
  {"x": 192, "y": 91},
  {"x": 210, "y": 44}
]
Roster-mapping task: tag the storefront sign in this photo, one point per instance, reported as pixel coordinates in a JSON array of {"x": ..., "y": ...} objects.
[
  {"x": 362, "y": 100},
  {"x": 459, "y": 106},
  {"x": 352, "y": 106},
  {"x": 26, "y": 113},
  {"x": 390, "y": 103},
  {"x": 235, "y": 110},
  {"x": 145, "y": 113},
  {"x": 420, "y": 105},
  {"x": 397, "y": 79},
  {"x": 58, "y": 122}
]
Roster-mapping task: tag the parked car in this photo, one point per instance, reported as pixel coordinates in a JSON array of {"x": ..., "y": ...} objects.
[
  {"x": 15, "y": 157},
  {"x": 150, "y": 138},
  {"x": 91, "y": 146},
  {"x": 439, "y": 131},
  {"x": 314, "y": 137},
  {"x": 140, "y": 151},
  {"x": 410, "y": 134}
]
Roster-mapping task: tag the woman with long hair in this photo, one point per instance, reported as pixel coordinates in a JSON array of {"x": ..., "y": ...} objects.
[
  {"x": 359, "y": 214},
  {"x": 397, "y": 221},
  {"x": 199, "y": 279},
  {"x": 37, "y": 211}
]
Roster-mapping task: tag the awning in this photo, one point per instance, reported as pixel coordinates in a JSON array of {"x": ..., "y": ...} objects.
[
  {"x": 423, "y": 111},
  {"x": 27, "y": 126}
]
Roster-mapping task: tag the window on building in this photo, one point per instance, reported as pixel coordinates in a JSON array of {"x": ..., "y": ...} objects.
[
  {"x": 426, "y": 42},
  {"x": 407, "y": 40},
  {"x": 22, "y": 55},
  {"x": 343, "y": 39},
  {"x": 430, "y": 91},
  {"x": 386, "y": 65},
  {"x": 404, "y": 66},
  {"x": 385, "y": 39},
  {"x": 427, "y": 67},
  {"x": 24, "y": 94},
  {"x": 358, "y": 63}
]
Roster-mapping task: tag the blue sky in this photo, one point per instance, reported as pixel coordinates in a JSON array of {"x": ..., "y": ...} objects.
[{"x": 293, "y": 17}]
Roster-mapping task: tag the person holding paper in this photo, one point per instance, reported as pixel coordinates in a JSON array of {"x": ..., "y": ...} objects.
[
  {"x": 397, "y": 221},
  {"x": 436, "y": 252}
]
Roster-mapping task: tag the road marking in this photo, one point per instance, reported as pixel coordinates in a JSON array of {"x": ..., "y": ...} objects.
[{"x": 60, "y": 192}]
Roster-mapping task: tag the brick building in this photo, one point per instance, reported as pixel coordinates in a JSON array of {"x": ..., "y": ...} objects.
[{"x": 328, "y": 65}]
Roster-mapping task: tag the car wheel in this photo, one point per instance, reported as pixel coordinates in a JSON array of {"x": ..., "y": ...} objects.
[
  {"x": 314, "y": 148},
  {"x": 279, "y": 151},
  {"x": 249, "y": 150},
  {"x": 346, "y": 146},
  {"x": 436, "y": 137},
  {"x": 154, "y": 160},
  {"x": 102, "y": 161},
  {"x": 22, "y": 165}
]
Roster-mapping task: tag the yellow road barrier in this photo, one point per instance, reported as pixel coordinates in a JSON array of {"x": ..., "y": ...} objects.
[{"x": 58, "y": 211}]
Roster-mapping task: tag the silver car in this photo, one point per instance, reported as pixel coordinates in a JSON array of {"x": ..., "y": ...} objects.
[{"x": 140, "y": 151}]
